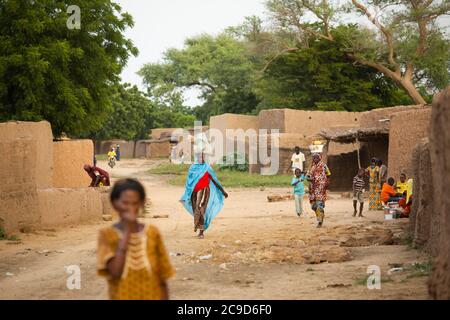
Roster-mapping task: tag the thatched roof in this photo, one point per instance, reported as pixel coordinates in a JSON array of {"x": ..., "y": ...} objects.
[{"x": 351, "y": 135}]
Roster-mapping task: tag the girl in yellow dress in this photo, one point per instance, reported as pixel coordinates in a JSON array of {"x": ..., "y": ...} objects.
[{"x": 132, "y": 255}]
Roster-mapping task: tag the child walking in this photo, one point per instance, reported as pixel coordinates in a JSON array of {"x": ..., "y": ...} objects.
[
  {"x": 131, "y": 255},
  {"x": 299, "y": 190},
  {"x": 358, "y": 192}
]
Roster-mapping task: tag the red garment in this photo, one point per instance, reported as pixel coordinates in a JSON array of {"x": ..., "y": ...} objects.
[
  {"x": 202, "y": 183},
  {"x": 104, "y": 176}
]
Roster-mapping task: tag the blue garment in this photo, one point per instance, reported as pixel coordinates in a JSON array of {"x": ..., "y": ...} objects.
[
  {"x": 299, "y": 189},
  {"x": 118, "y": 153},
  {"x": 216, "y": 197}
]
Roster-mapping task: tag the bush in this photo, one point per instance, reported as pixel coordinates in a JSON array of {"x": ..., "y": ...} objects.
[{"x": 240, "y": 162}]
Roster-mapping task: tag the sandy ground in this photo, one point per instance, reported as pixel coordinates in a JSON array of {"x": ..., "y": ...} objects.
[{"x": 259, "y": 250}]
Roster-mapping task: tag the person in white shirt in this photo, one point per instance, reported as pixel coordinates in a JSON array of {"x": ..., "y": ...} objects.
[{"x": 297, "y": 160}]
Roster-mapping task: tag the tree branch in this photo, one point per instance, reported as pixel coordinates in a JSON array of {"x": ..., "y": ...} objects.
[{"x": 387, "y": 34}]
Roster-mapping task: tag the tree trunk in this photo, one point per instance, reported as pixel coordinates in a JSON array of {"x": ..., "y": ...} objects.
[{"x": 412, "y": 91}]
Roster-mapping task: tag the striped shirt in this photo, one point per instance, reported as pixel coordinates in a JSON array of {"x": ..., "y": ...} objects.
[{"x": 358, "y": 184}]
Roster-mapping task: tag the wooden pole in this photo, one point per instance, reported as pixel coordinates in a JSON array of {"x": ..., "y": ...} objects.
[{"x": 357, "y": 152}]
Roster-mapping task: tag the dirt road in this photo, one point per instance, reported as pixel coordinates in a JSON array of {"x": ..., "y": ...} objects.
[{"x": 254, "y": 250}]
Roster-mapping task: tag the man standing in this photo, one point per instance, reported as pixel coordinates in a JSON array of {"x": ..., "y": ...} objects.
[
  {"x": 118, "y": 153},
  {"x": 297, "y": 160},
  {"x": 319, "y": 180}
]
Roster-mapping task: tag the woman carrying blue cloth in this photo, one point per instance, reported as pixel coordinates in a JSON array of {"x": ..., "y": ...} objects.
[{"x": 203, "y": 196}]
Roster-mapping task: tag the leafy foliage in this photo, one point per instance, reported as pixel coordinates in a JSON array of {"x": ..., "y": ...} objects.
[
  {"x": 48, "y": 72},
  {"x": 239, "y": 162},
  {"x": 134, "y": 114}
]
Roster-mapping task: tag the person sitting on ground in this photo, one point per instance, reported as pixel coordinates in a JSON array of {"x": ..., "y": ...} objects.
[
  {"x": 299, "y": 190},
  {"x": 131, "y": 255},
  {"x": 358, "y": 191},
  {"x": 406, "y": 201},
  {"x": 388, "y": 193},
  {"x": 99, "y": 177},
  {"x": 402, "y": 185}
]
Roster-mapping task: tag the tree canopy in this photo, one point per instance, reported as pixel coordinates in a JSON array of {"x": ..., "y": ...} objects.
[
  {"x": 50, "y": 72},
  {"x": 401, "y": 39}
]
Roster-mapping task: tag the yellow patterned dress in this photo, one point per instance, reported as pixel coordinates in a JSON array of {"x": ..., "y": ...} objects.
[
  {"x": 146, "y": 266},
  {"x": 374, "y": 188}
]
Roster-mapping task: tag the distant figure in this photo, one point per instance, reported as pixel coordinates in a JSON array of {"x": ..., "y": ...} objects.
[
  {"x": 118, "y": 153},
  {"x": 112, "y": 153},
  {"x": 383, "y": 172},
  {"x": 319, "y": 180},
  {"x": 373, "y": 171},
  {"x": 95, "y": 161},
  {"x": 99, "y": 177},
  {"x": 299, "y": 190},
  {"x": 388, "y": 193},
  {"x": 297, "y": 160},
  {"x": 358, "y": 192}
]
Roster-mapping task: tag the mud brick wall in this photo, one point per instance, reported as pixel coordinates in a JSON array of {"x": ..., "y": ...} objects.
[
  {"x": 41, "y": 133},
  {"x": 160, "y": 132},
  {"x": 66, "y": 207},
  {"x": 126, "y": 147},
  {"x": 18, "y": 195},
  {"x": 440, "y": 161},
  {"x": 424, "y": 218},
  {"x": 406, "y": 129},
  {"x": 68, "y": 160},
  {"x": 28, "y": 199},
  {"x": 159, "y": 149},
  {"x": 371, "y": 119},
  {"x": 343, "y": 168},
  {"x": 141, "y": 149},
  {"x": 303, "y": 122}
]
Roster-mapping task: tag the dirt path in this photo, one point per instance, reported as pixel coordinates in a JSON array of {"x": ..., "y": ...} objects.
[{"x": 259, "y": 250}]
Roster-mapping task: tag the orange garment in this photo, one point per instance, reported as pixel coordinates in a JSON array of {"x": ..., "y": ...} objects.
[
  {"x": 386, "y": 192},
  {"x": 147, "y": 264},
  {"x": 202, "y": 183}
]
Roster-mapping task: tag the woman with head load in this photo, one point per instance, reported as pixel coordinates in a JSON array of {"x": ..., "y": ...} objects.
[
  {"x": 319, "y": 179},
  {"x": 203, "y": 196}
]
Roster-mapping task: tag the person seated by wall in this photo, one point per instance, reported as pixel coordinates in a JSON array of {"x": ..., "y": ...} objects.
[
  {"x": 99, "y": 177},
  {"x": 402, "y": 185},
  {"x": 407, "y": 199},
  {"x": 388, "y": 193}
]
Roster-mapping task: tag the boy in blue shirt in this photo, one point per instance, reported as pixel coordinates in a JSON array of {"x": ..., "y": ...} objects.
[{"x": 299, "y": 190}]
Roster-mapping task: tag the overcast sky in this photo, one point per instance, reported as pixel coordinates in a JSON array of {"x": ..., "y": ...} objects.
[{"x": 162, "y": 24}]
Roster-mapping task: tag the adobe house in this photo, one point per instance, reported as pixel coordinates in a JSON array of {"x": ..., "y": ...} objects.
[
  {"x": 389, "y": 134},
  {"x": 44, "y": 184}
]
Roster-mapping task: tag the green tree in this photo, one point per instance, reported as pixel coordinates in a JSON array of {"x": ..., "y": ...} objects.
[
  {"x": 134, "y": 114},
  {"x": 322, "y": 77},
  {"x": 50, "y": 72},
  {"x": 127, "y": 120},
  {"x": 402, "y": 40},
  {"x": 218, "y": 66}
]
